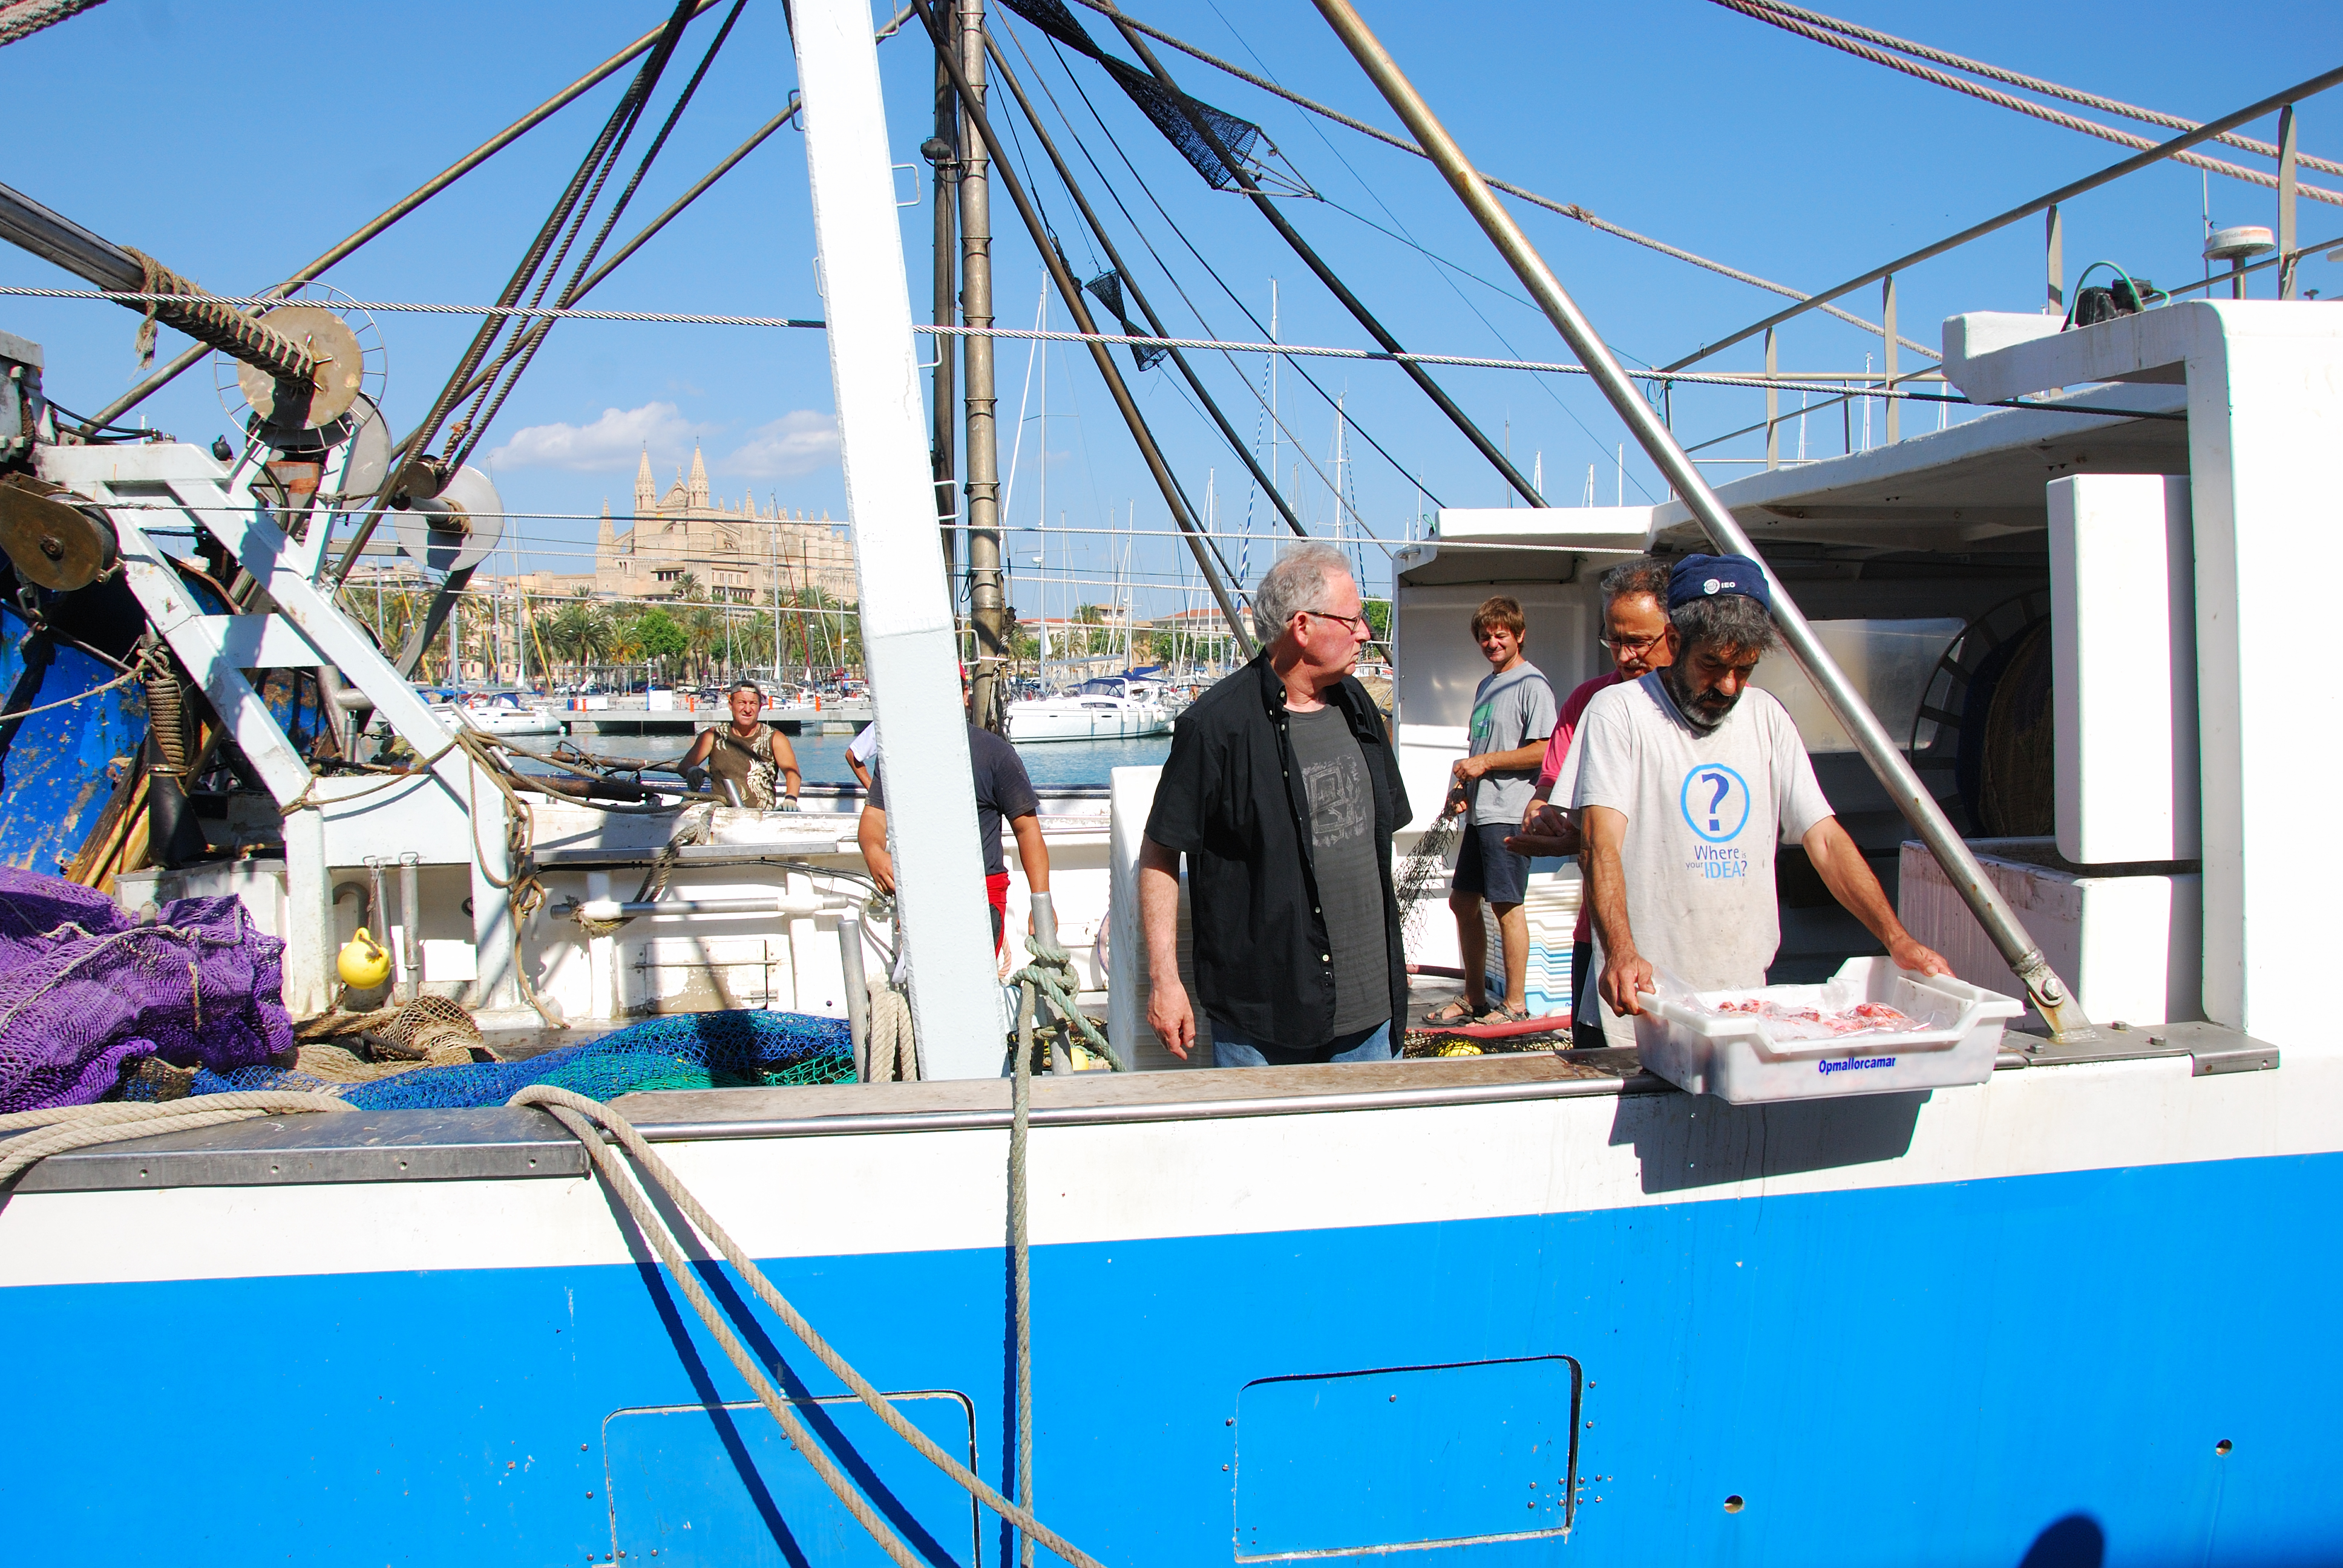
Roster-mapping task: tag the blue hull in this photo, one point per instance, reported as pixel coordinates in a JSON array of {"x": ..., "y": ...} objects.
[{"x": 2099, "y": 1365}]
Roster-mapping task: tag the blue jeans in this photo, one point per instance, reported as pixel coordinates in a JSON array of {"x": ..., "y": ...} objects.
[{"x": 1231, "y": 1050}]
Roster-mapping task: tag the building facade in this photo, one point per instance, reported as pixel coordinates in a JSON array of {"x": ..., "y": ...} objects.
[{"x": 735, "y": 554}]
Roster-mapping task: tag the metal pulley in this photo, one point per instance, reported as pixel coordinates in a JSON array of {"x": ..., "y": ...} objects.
[
  {"x": 456, "y": 528},
  {"x": 333, "y": 385},
  {"x": 51, "y": 541}
]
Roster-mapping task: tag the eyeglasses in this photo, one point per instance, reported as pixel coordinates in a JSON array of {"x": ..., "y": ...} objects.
[
  {"x": 1630, "y": 645},
  {"x": 1357, "y": 623}
]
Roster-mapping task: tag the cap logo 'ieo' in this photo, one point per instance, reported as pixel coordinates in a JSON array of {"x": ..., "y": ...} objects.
[{"x": 1707, "y": 576}]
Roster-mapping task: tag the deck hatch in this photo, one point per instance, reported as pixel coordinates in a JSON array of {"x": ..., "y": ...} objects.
[
  {"x": 720, "y": 1484},
  {"x": 1405, "y": 1458}
]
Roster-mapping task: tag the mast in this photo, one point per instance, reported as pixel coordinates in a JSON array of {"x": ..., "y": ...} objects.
[
  {"x": 1041, "y": 514},
  {"x": 942, "y": 152},
  {"x": 982, "y": 492}
]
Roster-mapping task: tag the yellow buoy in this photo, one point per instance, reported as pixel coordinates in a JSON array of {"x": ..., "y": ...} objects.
[{"x": 363, "y": 963}]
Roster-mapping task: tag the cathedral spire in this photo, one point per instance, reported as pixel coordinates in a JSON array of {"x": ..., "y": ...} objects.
[
  {"x": 646, "y": 487},
  {"x": 697, "y": 496},
  {"x": 607, "y": 539}
]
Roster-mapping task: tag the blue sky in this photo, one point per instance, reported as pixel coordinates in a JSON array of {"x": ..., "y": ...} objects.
[{"x": 235, "y": 143}]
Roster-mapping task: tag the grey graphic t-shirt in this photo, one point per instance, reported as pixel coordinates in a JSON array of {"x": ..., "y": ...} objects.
[
  {"x": 1509, "y": 711},
  {"x": 1343, "y": 848}
]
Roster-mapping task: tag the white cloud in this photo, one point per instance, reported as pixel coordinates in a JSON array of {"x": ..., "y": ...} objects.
[
  {"x": 611, "y": 444},
  {"x": 790, "y": 445}
]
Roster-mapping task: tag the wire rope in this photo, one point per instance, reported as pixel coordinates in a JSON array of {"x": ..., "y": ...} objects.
[
  {"x": 1759, "y": 12},
  {"x": 2036, "y": 85},
  {"x": 1178, "y": 229}
]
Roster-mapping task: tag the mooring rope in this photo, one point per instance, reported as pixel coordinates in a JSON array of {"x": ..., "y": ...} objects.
[{"x": 580, "y": 1116}]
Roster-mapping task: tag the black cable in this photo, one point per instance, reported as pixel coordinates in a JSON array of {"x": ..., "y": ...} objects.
[{"x": 1259, "y": 327}]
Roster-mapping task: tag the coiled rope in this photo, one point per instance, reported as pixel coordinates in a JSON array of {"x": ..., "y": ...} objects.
[
  {"x": 209, "y": 318},
  {"x": 582, "y": 1117}
]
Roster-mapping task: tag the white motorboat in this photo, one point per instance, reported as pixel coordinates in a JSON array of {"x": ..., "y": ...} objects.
[
  {"x": 1110, "y": 707},
  {"x": 498, "y": 713}
]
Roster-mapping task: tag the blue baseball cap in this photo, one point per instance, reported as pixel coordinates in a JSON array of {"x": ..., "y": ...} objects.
[{"x": 1705, "y": 576}]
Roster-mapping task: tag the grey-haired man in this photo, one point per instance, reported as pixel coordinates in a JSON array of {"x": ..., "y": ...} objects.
[{"x": 1282, "y": 791}]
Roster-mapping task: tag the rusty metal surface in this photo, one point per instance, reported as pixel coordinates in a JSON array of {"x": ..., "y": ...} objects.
[{"x": 58, "y": 769}]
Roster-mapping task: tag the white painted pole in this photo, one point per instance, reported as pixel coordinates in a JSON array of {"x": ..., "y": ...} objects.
[{"x": 907, "y": 620}]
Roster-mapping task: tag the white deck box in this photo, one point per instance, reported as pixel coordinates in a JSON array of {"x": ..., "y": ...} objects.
[{"x": 2130, "y": 940}]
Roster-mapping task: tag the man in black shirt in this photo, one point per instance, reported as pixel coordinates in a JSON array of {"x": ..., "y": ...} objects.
[
  {"x": 1282, "y": 791},
  {"x": 1003, "y": 792}
]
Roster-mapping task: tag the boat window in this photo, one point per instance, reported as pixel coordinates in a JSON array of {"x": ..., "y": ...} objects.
[
  {"x": 1103, "y": 686},
  {"x": 1888, "y": 662}
]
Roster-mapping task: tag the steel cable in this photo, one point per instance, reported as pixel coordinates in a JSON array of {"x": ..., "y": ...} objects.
[
  {"x": 1759, "y": 12},
  {"x": 2036, "y": 85}
]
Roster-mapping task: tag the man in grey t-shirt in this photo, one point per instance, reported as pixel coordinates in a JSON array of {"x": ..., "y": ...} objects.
[
  {"x": 1343, "y": 850},
  {"x": 1513, "y": 714},
  {"x": 1688, "y": 781}
]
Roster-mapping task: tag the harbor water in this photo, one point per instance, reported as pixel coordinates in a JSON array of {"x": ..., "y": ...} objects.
[{"x": 1058, "y": 764}]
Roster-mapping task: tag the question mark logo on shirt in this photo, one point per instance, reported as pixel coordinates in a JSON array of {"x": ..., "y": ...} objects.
[{"x": 1716, "y": 803}]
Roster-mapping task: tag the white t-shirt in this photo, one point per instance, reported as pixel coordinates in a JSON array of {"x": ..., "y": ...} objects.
[
  {"x": 865, "y": 745},
  {"x": 1704, "y": 813}
]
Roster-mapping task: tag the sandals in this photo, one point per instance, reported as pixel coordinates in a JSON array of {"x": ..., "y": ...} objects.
[
  {"x": 1504, "y": 1014},
  {"x": 1455, "y": 1011}
]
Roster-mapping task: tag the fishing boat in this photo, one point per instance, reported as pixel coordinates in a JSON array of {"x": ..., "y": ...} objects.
[
  {"x": 1104, "y": 707},
  {"x": 1514, "y": 1307}
]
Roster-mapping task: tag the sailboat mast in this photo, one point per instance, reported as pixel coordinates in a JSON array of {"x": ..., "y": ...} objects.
[{"x": 987, "y": 605}]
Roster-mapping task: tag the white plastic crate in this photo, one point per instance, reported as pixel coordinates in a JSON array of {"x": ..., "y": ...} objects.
[{"x": 1736, "y": 1058}]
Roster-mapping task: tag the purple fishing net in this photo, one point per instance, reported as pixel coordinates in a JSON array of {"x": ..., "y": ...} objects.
[{"x": 84, "y": 988}]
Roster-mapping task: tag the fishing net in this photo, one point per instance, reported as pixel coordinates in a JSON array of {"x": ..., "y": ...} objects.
[
  {"x": 85, "y": 990},
  {"x": 750, "y": 1048},
  {"x": 1425, "y": 867},
  {"x": 1167, "y": 108}
]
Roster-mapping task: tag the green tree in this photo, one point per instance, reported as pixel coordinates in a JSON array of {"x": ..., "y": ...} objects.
[{"x": 658, "y": 637}]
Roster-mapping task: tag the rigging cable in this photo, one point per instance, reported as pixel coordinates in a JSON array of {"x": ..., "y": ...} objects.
[
  {"x": 623, "y": 114},
  {"x": 1180, "y": 234},
  {"x": 1114, "y": 259},
  {"x": 525, "y": 344},
  {"x": 382, "y": 222},
  {"x": 1335, "y": 284},
  {"x": 1570, "y": 210},
  {"x": 1779, "y": 15}
]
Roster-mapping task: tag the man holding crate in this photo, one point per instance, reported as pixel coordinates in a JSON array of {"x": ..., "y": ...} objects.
[{"x": 1693, "y": 780}]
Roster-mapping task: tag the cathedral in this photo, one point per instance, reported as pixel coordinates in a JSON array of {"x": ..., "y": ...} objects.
[{"x": 737, "y": 554}]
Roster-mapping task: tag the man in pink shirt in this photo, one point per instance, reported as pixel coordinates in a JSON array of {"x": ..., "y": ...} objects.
[{"x": 1634, "y": 631}]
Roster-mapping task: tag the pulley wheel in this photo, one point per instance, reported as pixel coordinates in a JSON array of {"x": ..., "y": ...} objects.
[
  {"x": 341, "y": 364},
  {"x": 51, "y": 543}
]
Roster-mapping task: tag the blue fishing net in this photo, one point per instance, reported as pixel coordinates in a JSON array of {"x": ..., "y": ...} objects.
[{"x": 750, "y": 1048}]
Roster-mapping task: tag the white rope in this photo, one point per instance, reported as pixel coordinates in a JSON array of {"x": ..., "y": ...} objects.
[
  {"x": 577, "y": 1113},
  {"x": 1210, "y": 344},
  {"x": 65, "y": 1128},
  {"x": 891, "y": 1048}
]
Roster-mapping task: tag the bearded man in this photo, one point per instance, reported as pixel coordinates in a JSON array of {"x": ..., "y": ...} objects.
[{"x": 1688, "y": 780}]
